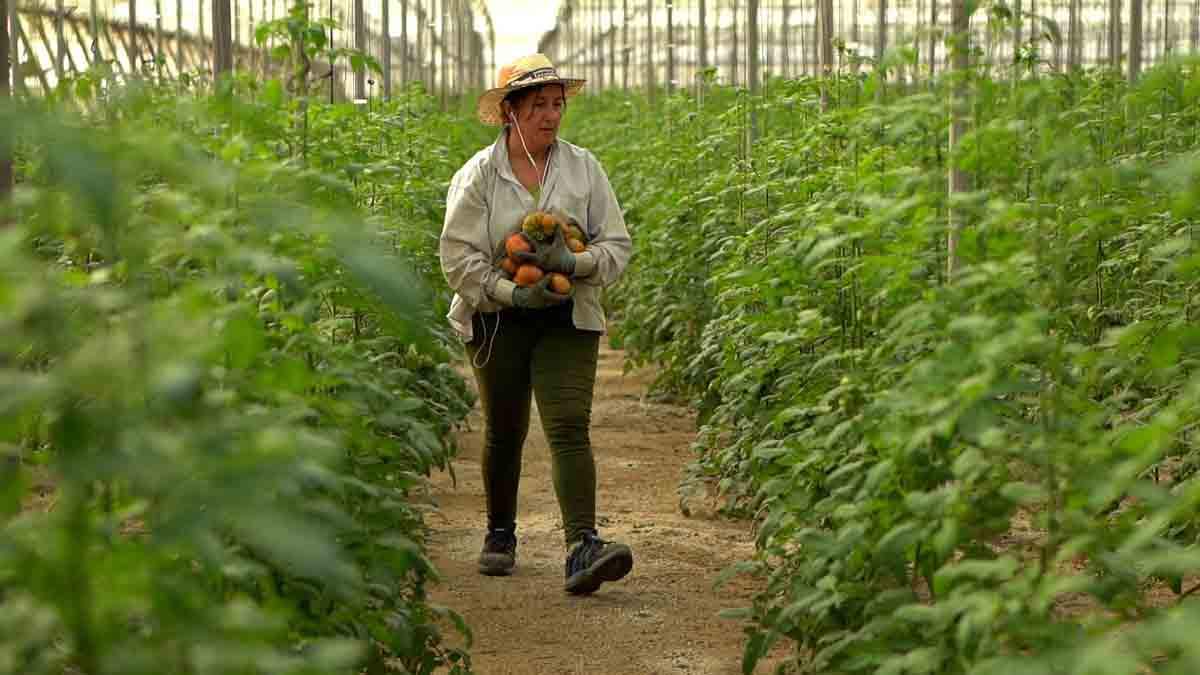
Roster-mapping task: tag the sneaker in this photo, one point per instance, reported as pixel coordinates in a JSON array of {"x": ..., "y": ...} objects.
[
  {"x": 499, "y": 554},
  {"x": 594, "y": 561}
]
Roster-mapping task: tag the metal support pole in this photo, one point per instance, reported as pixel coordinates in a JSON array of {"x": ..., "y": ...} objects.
[
  {"x": 754, "y": 59},
  {"x": 159, "y": 59},
  {"x": 332, "y": 70},
  {"x": 133, "y": 39},
  {"x": 1135, "y": 40},
  {"x": 222, "y": 29},
  {"x": 94, "y": 20},
  {"x": 360, "y": 43},
  {"x": 670, "y": 47},
  {"x": 460, "y": 52},
  {"x": 650, "y": 49},
  {"x": 625, "y": 45},
  {"x": 387, "y": 50},
  {"x": 179, "y": 62},
  {"x": 8, "y": 11},
  {"x": 199, "y": 15},
  {"x": 735, "y": 52},
  {"x": 403, "y": 42},
  {"x": 7, "y": 14},
  {"x": 60, "y": 48},
  {"x": 612, "y": 43},
  {"x": 250, "y": 35},
  {"x": 420, "y": 53},
  {"x": 444, "y": 51}
]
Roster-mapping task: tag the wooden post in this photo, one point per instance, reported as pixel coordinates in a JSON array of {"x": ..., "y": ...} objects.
[
  {"x": 222, "y": 30},
  {"x": 702, "y": 36}
]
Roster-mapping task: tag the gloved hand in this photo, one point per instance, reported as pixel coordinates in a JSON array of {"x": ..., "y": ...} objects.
[
  {"x": 551, "y": 256},
  {"x": 538, "y": 296}
]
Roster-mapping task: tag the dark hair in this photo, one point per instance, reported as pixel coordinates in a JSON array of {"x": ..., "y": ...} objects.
[{"x": 517, "y": 97}]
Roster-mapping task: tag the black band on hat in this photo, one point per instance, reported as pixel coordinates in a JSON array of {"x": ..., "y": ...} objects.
[{"x": 535, "y": 75}]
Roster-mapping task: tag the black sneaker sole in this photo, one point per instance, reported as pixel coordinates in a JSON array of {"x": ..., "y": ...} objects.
[
  {"x": 614, "y": 564},
  {"x": 496, "y": 565}
]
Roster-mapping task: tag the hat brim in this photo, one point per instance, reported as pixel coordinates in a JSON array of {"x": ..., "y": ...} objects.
[{"x": 488, "y": 107}]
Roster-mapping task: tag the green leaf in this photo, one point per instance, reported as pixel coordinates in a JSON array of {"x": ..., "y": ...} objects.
[{"x": 244, "y": 340}]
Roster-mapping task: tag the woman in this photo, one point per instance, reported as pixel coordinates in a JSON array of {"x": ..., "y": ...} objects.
[{"x": 529, "y": 341}]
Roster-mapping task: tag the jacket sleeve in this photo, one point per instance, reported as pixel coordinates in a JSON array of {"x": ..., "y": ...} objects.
[
  {"x": 608, "y": 252},
  {"x": 467, "y": 267}
]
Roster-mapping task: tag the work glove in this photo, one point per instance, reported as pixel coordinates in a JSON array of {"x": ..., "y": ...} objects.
[
  {"x": 538, "y": 296},
  {"x": 551, "y": 256}
]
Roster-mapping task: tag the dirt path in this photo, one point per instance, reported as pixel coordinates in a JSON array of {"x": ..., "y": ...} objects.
[{"x": 662, "y": 618}]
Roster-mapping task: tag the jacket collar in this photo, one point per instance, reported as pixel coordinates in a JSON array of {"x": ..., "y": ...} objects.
[{"x": 500, "y": 160}]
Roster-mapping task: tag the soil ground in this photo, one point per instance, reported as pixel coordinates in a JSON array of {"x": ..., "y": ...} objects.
[{"x": 662, "y": 618}]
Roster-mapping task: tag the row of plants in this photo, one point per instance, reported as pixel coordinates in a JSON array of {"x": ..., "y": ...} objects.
[
  {"x": 986, "y": 472},
  {"x": 224, "y": 381}
]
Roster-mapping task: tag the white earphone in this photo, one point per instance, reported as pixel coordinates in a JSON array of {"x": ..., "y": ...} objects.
[{"x": 541, "y": 174}]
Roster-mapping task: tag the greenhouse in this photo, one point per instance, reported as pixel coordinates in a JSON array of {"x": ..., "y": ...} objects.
[{"x": 640, "y": 337}]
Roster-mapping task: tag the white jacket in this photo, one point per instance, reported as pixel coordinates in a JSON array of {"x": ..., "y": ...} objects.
[{"x": 486, "y": 203}]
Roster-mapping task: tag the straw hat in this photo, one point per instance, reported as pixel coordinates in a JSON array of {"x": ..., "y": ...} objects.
[{"x": 525, "y": 72}]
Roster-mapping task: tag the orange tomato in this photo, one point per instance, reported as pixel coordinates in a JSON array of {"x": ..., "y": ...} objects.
[
  {"x": 517, "y": 243},
  {"x": 528, "y": 275},
  {"x": 559, "y": 283},
  {"x": 575, "y": 245}
]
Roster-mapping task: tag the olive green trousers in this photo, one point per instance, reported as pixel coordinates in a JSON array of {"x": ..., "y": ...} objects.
[{"x": 518, "y": 354}]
